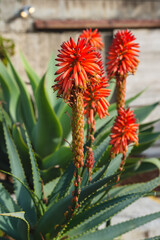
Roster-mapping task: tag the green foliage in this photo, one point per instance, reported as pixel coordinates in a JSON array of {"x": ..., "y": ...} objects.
[
  {"x": 33, "y": 215},
  {"x": 6, "y": 45},
  {"x": 48, "y": 123},
  {"x": 38, "y": 112},
  {"x": 34, "y": 130}
]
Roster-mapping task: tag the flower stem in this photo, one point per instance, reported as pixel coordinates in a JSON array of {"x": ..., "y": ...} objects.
[
  {"x": 121, "y": 92},
  {"x": 77, "y": 144}
]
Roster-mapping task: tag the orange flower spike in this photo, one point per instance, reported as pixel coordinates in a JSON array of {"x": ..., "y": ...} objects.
[
  {"x": 93, "y": 38},
  {"x": 122, "y": 54},
  {"x": 95, "y": 99},
  {"x": 77, "y": 63},
  {"x": 123, "y": 132}
]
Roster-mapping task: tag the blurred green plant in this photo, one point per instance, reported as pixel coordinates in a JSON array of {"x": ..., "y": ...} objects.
[
  {"x": 6, "y": 45},
  {"x": 47, "y": 121},
  {"x": 44, "y": 117},
  {"x": 40, "y": 213}
]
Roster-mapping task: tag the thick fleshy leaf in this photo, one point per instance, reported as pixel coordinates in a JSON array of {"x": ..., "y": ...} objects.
[
  {"x": 100, "y": 213},
  {"x": 148, "y": 124},
  {"x": 100, "y": 150},
  {"x": 135, "y": 188},
  {"x": 47, "y": 133},
  {"x": 145, "y": 141},
  {"x": 117, "y": 230},
  {"x": 153, "y": 238},
  {"x": 98, "y": 153},
  {"x": 50, "y": 76},
  {"x": 21, "y": 228},
  {"x": 112, "y": 85},
  {"x": 48, "y": 221},
  {"x": 142, "y": 112},
  {"x": 63, "y": 185},
  {"x": 37, "y": 182},
  {"x": 65, "y": 116},
  {"x": 10, "y": 91},
  {"x": 33, "y": 77},
  {"x": 22, "y": 195},
  {"x": 128, "y": 101},
  {"x": 25, "y": 101},
  {"x": 22, "y": 150},
  {"x": 7, "y": 205},
  {"x": 51, "y": 173},
  {"x": 48, "y": 187},
  {"x": 62, "y": 157}
]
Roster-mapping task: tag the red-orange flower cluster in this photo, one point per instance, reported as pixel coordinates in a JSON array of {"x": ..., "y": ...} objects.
[
  {"x": 95, "y": 99},
  {"x": 123, "y": 132},
  {"x": 122, "y": 54},
  {"x": 93, "y": 38},
  {"x": 78, "y": 64}
]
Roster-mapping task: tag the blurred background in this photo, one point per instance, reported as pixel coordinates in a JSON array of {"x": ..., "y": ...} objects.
[{"x": 39, "y": 27}]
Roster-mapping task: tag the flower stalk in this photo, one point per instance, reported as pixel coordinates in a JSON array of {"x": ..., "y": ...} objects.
[
  {"x": 121, "y": 92},
  {"x": 77, "y": 143}
]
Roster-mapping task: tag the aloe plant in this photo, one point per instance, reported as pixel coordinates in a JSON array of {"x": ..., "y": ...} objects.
[
  {"x": 57, "y": 197},
  {"x": 39, "y": 212},
  {"x": 48, "y": 123},
  {"x": 45, "y": 118}
]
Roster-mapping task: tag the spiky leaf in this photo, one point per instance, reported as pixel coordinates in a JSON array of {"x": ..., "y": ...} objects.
[
  {"x": 116, "y": 230},
  {"x": 62, "y": 157},
  {"x": 47, "y": 132},
  {"x": 33, "y": 77},
  {"x": 22, "y": 195},
  {"x": 20, "y": 229},
  {"x": 37, "y": 183},
  {"x": 25, "y": 101}
]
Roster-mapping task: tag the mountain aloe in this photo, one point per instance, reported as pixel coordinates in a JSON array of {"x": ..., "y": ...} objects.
[
  {"x": 57, "y": 197},
  {"x": 39, "y": 212},
  {"x": 46, "y": 116}
]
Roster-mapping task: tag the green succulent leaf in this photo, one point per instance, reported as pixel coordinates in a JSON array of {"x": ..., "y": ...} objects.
[
  {"x": 112, "y": 85},
  {"x": 116, "y": 230},
  {"x": 33, "y": 77},
  {"x": 154, "y": 161},
  {"x": 145, "y": 141},
  {"x": 22, "y": 195},
  {"x": 93, "y": 187},
  {"x": 10, "y": 91},
  {"x": 103, "y": 132},
  {"x": 51, "y": 173},
  {"x": 100, "y": 150},
  {"x": 128, "y": 101},
  {"x": 50, "y": 76},
  {"x": 37, "y": 182},
  {"x": 65, "y": 116},
  {"x": 142, "y": 112},
  {"x": 22, "y": 150},
  {"x": 135, "y": 188},
  {"x": 98, "y": 214},
  {"x": 25, "y": 101},
  {"x": 62, "y": 157},
  {"x": 153, "y": 238},
  {"x": 63, "y": 185},
  {"x": 48, "y": 221},
  {"x": 47, "y": 133},
  {"x": 48, "y": 187},
  {"x": 21, "y": 228},
  {"x": 148, "y": 124}
]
